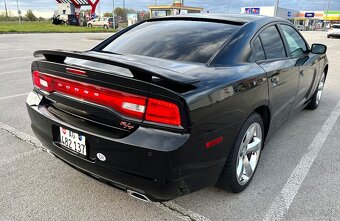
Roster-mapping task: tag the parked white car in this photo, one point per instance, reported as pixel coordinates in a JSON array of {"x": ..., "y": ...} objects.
[
  {"x": 104, "y": 22},
  {"x": 334, "y": 31}
]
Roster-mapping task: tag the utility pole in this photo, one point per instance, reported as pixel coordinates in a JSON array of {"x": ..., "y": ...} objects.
[
  {"x": 276, "y": 8},
  {"x": 123, "y": 4},
  {"x": 113, "y": 15},
  {"x": 228, "y": 6},
  {"x": 19, "y": 13},
  {"x": 155, "y": 2},
  {"x": 6, "y": 9},
  {"x": 329, "y": 1}
]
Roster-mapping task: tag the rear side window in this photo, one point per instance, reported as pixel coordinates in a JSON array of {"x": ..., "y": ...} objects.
[
  {"x": 258, "y": 50},
  {"x": 297, "y": 45},
  {"x": 336, "y": 26},
  {"x": 182, "y": 40},
  {"x": 272, "y": 43}
]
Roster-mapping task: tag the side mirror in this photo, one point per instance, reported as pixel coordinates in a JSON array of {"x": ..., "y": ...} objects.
[{"x": 319, "y": 49}]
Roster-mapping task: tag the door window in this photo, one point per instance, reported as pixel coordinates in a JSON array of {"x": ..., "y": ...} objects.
[
  {"x": 297, "y": 45},
  {"x": 258, "y": 50},
  {"x": 272, "y": 43}
]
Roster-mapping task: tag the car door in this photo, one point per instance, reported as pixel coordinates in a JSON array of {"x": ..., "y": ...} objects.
[
  {"x": 96, "y": 24},
  {"x": 307, "y": 62},
  {"x": 104, "y": 22},
  {"x": 282, "y": 74},
  {"x": 93, "y": 22}
]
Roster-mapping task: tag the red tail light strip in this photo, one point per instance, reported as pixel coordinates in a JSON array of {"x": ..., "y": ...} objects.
[{"x": 130, "y": 105}]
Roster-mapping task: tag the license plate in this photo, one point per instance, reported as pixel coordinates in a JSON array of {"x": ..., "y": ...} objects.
[{"x": 72, "y": 141}]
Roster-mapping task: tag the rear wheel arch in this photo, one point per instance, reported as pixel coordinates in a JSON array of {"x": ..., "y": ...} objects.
[
  {"x": 326, "y": 71},
  {"x": 264, "y": 112}
]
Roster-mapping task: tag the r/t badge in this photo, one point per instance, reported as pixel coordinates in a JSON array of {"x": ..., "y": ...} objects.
[{"x": 126, "y": 125}]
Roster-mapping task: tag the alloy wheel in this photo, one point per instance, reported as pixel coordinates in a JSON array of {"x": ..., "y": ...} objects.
[
  {"x": 320, "y": 89},
  {"x": 249, "y": 153}
]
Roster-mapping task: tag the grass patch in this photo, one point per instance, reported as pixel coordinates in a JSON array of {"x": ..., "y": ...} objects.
[{"x": 44, "y": 27}]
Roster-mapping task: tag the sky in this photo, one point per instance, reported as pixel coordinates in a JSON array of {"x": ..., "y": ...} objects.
[{"x": 213, "y": 6}]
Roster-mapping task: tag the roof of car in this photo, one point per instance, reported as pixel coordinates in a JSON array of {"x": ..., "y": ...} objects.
[{"x": 241, "y": 18}]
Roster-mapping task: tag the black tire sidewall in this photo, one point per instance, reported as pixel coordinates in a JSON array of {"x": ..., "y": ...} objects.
[
  {"x": 313, "y": 104},
  {"x": 234, "y": 185}
]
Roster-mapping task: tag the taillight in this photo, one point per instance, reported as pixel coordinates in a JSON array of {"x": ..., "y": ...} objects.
[
  {"x": 42, "y": 81},
  {"x": 130, "y": 105},
  {"x": 162, "y": 112}
]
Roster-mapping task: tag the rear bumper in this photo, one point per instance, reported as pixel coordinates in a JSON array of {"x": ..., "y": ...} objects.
[{"x": 161, "y": 174}]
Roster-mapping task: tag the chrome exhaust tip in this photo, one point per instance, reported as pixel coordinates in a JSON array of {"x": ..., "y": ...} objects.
[{"x": 138, "y": 196}]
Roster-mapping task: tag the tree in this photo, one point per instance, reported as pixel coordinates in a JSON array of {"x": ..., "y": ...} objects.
[
  {"x": 108, "y": 14},
  {"x": 30, "y": 16},
  {"x": 122, "y": 12}
]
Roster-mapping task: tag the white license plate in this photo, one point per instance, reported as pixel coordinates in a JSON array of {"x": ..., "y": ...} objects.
[{"x": 72, "y": 141}]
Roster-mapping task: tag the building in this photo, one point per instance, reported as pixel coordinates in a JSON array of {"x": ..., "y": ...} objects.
[
  {"x": 176, "y": 8},
  {"x": 305, "y": 20},
  {"x": 64, "y": 9},
  {"x": 313, "y": 20},
  {"x": 270, "y": 11}
]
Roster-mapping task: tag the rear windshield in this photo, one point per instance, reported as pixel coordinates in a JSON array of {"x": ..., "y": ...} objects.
[
  {"x": 336, "y": 26},
  {"x": 182, "y": 40}
]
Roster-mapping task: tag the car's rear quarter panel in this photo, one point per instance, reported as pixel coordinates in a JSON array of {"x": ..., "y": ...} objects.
[{"x": 220, "y": 106}]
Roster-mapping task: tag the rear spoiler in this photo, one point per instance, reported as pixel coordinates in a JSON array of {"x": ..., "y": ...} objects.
[{"x": 139, "y": 70}]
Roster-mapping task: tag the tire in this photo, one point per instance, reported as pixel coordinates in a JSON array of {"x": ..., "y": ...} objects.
[
  {"x": 316, "y": 98},
  {"x": 105, "y": 27},
  {"x": 89, "y": 25},
  {"x": 328, "y": 36},
  {"x": 234, "y": 177}
]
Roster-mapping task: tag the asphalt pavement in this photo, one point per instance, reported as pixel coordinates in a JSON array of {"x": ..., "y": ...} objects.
[{"x": 297, "y": 178}]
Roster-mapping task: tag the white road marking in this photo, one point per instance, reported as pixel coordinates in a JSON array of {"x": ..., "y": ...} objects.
[
  {"x": 170, "y": 207},
  {"x": 13, "y": 96},
  {"x": 8, "y": 59},
  {"x": 11, "y": 72},
  {"x": 283, "y": 201}
]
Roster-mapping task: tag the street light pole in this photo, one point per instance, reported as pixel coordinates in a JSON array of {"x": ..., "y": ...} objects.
[
  {"x": 6, "y": 9},
  {"x": 329, "y": 1},
  {"x": 19, "y": 13},
  {"x": 276, "y": 7},
  {"x": 228, "y": 6},
  {"x": 113, "y": 15}
]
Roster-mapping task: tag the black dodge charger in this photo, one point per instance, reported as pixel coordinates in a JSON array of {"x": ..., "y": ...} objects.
[{"x": 172, "y": 105}]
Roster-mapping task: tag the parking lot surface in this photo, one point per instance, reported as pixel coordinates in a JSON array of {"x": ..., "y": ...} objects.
[{"x": 297, "y": 177}]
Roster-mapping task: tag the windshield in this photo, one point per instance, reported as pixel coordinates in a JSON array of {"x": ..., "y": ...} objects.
[{"x": 182, "y": 40}]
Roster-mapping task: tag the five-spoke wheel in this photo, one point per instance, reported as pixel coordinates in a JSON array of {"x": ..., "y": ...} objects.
[{"x": 244, "y": 156}]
